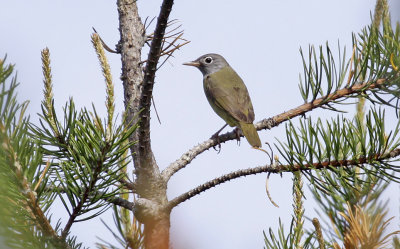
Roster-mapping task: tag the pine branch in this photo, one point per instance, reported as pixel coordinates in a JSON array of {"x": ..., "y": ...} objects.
[
  {"x": 365, "y": 229},
  {"x": 118, "y": 201},
  {"x": 318, "y": 232},
  {"x": 48, "y": 101},
  {"x": 84, "y": 198},
  {"x": 31, "y": 201},
  {"x": 360, "y": 161},
  {"x": 83, "y": 174},
  {"x": 110, "y": 102},
  {"x": 298, "y": 209},
  {"x": 121, "y": 202},
  {"x": 381, "y": 13},
  {"x": 269, "y": 123}
]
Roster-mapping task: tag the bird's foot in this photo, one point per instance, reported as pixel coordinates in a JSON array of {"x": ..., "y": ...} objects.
[
  {"x": 237, "y": 133},
  {"x": 216, "y": 138}
]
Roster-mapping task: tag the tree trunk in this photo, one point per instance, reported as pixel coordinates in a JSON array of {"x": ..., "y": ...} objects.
[
  {"x": 157, "y": 233},
  {"x": 151, "y": 206}
]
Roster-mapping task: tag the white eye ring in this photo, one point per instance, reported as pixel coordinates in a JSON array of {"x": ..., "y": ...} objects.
[{"x": 208, "y": 60}]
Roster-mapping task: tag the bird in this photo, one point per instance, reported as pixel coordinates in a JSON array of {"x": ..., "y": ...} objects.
[{"x": 228, "y": 95}]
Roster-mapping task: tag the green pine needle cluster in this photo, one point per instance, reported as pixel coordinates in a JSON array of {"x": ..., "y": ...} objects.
[
  {"x": 348, "y": 162},
  {"x": 23, "y": 220},
  {"x": 335, "y": 144},
  {"x": 86, "y": 155},
  {"x": 80, "y": 161}
]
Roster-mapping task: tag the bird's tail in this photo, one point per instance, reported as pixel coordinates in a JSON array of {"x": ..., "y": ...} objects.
[{"x": 250, "y": 132}]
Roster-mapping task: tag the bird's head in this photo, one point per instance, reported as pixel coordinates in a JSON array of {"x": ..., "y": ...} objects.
[{"x": 208, "y": 63}]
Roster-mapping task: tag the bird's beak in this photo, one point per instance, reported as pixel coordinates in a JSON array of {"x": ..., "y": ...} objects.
[{"x": 192, "y": 63}]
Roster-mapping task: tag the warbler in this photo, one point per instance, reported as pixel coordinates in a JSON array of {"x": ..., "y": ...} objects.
[{"x": 227, "y": 95}]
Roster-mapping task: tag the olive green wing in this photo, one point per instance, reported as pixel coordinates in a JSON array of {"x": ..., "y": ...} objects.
[{"x": 228, "y": 92}]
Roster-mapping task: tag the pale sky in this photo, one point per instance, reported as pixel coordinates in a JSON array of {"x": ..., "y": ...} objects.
[{"x": 261, "y": 41}]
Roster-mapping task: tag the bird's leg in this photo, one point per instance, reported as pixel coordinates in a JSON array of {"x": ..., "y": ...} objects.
[
  {"x": 216, "y": 137},
  {"x": 237, "y": 133},
  {"x": 217, "y": 133}
]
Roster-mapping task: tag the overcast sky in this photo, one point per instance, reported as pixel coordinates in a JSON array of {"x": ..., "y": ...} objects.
[{"x": 261, "y": 41}]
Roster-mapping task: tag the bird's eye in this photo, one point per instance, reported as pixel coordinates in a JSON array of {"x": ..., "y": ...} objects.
[{"x": 208, "y": 60}]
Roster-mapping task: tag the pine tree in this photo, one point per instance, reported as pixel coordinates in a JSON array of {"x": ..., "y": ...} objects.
[{"x": 82, "y": 159}]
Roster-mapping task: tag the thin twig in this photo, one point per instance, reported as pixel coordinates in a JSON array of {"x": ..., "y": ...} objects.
[
  {"x": 155, "y": 109},
  {"x": 104, "y": 44},
  {"x": 146, "y": 26},
  {"x": 169, "y": 52}
]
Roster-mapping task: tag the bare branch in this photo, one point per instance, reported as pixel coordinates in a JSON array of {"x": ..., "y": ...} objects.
[
  {"x": 130, "y": 45},
  {"x": 106, "y": 47},
  {"x": 280, "y": 169},
  {"x": 236, "y": 174},
  {"x": 127, "y": 184},
  {"x": 150, "y": 72},
  {"x": 120, "y": 202},
  {"x": 268, "y": 123}
]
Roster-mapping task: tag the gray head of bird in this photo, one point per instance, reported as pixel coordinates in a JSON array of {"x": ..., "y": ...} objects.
[{"x": 208, "y": 63}]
